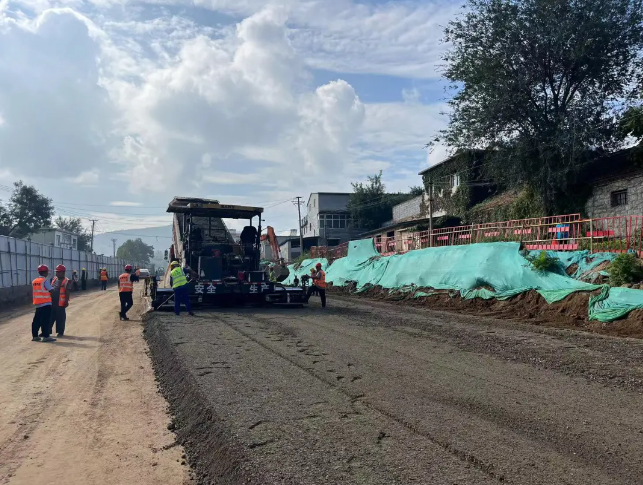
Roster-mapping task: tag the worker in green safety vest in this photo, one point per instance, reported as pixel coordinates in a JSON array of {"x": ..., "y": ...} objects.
[{"x": 179, "y": 282}]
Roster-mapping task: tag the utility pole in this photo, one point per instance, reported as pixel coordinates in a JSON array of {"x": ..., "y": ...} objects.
[
  {"x": 301, "y": 234},
  {"x": 431, "y": 214},
  {"x": 93, "y": 224},
  {"x": 114, "y": 245}
]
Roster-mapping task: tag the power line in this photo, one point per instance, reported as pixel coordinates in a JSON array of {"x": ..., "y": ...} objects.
[{"x": 137, "y": 235}]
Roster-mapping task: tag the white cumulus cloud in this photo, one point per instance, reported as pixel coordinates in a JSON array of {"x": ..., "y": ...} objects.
[
  {"x": 232, "y": 100},
  {"x": 148, "y": 101}
]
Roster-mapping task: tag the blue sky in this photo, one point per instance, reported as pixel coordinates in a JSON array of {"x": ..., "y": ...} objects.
[{"x": 112, "y": 107}]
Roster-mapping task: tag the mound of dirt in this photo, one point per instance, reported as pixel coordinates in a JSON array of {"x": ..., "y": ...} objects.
[
  {"x": 593, "y": 275},
  {"x": 528, "y": 307}
]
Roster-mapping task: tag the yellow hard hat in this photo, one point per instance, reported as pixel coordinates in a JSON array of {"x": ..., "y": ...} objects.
[{"x": 174, "y": 263}]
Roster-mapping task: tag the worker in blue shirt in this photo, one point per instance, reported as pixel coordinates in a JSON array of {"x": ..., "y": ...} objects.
[{"x": 179, "y": 282}]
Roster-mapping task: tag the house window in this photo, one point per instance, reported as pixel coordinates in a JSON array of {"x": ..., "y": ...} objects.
[
  {"x": 619, "y": 198},
  {"x": 57, "y": 240},
  {"x": 455, "y": 180},
  {"x": 334, "y": 221},
  {"x": 74, "y": 242}
]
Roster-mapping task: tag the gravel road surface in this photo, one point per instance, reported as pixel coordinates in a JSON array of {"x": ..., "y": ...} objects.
[
  {"x": 84, "y": 410},
  {"x": 371, "y": 393}
]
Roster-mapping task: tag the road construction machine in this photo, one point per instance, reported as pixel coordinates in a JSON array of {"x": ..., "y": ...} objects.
[
  {"x": 277, "y": 265},
  {"x": 223, "y": 271}
]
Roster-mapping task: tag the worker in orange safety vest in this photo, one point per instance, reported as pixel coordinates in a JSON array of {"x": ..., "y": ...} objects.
[
  {"x": 60, "y": 296},
  {"x": 41, "y": 289},
  {"x": 125, "y": 290},
  {"x": 319, "y": 284},
  {"x": 104, "y": 278}
]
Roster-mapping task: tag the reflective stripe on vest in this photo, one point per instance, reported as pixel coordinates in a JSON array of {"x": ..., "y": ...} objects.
[
  {"x": 62, "y": 301},
  {"x": 178, "y": 278},
  {"x": 103, "y": 275},
  {"x": 321, "y": 281},
  {"x": 125, "y": 284},
  {"x": 40, "y": 294}
]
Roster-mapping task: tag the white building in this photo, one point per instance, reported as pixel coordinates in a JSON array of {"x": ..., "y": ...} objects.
[
  {"x": 56, "y": 237},
  {"x": 328, "y": 219}
]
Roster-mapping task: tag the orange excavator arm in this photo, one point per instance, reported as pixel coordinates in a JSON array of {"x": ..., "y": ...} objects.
[{"x": 276, "y": 252}]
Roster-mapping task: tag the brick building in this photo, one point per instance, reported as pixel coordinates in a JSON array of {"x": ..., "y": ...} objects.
[{"x": 620, "y": 194}]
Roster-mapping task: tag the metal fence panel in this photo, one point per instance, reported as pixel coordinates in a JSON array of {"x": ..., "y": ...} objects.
[{"x": 19, "y": 261}]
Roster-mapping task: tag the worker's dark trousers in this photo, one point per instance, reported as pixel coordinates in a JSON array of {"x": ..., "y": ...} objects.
[
  {"x": 103, "y": 285},
  {"x": 182, "y": 295},
  {"x": 126, "y": 302},
  {"x": 320, "y": 291},
  {"x": 83, "y": 285},
  {"x": 59, "y": 316},
  {"x": 41, "y": 321}
]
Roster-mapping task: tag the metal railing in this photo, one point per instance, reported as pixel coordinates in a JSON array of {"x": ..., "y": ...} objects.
[
  {"x": 560, "y": 233},
  {"x": 330, "y": 253}
]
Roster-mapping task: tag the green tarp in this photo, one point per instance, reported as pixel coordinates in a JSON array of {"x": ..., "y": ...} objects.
[
  {"x": 584, "y": 260},
  {"x": 486, "y": 270},
  {"x": 614, "y": 303},
  {"x": 493, "y": 270}
]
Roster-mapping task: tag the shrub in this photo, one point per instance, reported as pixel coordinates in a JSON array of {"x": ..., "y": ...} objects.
[
  {"x": 543, "y": 262},
  {"x": 297, "y": 262},
  {"x": 625, "y": 269}
]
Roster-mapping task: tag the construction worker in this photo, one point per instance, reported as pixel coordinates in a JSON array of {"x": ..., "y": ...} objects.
[
  {"x": 125, "y": 290},
  {"x": 313, "y": 289},
  {"x": 272, "y": 276},
  {"x": 179, "y": 282},
  {"x": 319, "y": 282},
  {"x": 74, "y": 280},
  {"x": 60, "y": 300},
  {"x": 83, "y": 279},
  {"x": 104, "y": 278},
  {"x": 42, "y": 289}
]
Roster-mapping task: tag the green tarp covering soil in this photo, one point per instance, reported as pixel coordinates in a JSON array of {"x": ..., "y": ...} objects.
[{"x": 487, "y": 270}]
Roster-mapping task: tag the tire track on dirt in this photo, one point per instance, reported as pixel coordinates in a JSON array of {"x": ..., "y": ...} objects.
[
  {"x": 543, "y": 433},
  {"x": 488, "y": 469}
]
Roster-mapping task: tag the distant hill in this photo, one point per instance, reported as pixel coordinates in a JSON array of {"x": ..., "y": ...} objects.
[{"x": 158, "y": 237}]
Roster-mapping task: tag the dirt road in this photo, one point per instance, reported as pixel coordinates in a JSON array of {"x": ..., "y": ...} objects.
[
  {"x": 85, "y": 409},
  {"x": 369, "y": 393}
]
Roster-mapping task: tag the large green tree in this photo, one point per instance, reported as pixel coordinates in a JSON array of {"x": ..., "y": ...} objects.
[
  {"x": 632, "y": 122},
  {"x": 27, "y": 211},
  {"x": 369, "y": 204},
  {"x": 75, "y": 225},
  {"x": 542, "y": 83},
  {"x": 135, "y": 250}
]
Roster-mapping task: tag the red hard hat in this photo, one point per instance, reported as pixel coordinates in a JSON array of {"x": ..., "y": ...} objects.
[
  {"x": 61, "y": 267},
  {"x": 42, "y": 268},
  {"x": 319, "y": 265},
  {"x": 128, "y": 266}
]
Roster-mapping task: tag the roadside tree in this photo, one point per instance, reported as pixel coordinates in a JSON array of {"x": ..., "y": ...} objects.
[{"x": 543, "y": 85}]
